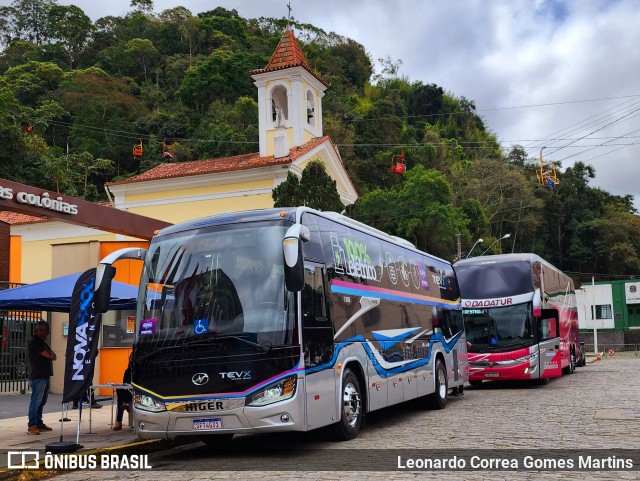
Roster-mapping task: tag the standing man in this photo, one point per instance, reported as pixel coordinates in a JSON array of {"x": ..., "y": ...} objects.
[{"x": 41, "y": 359}]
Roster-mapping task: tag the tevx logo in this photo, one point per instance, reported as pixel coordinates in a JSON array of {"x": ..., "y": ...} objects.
[{"x": 235, "y": 375}]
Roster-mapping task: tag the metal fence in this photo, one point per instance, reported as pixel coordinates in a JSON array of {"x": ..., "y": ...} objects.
[{"x": 16, "y": 328}]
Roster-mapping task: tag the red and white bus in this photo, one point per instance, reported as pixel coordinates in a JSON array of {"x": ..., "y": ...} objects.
[{"x": 520, "y": 316}]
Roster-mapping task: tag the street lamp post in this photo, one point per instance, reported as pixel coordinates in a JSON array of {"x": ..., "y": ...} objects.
[
  {"x": 474, "y": 246},
  {"x": 506, "y": 236}
]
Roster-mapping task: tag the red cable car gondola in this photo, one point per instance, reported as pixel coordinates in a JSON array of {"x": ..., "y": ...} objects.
[
  {"x": 168, "y": 150},
  {"x": 138, "y": 150},
  {"x": 398, "y": 165}
]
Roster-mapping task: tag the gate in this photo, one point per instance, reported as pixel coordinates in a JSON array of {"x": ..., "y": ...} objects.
[{"x": 16, "y": 328}]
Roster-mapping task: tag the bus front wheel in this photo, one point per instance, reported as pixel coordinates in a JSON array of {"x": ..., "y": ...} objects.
[
  {"x": 351, "y": 408},
  {"x": 438, "y": 400},
  {"x": 475, "y": 382}
]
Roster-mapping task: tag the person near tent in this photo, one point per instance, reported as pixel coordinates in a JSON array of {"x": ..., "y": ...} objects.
[
  {"x": 41, "y": 359},
  {"x": 124, "y": 398}
]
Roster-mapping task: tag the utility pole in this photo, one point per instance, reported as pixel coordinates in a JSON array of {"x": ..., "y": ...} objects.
[
  {"x": 593, "y": 315},
  {"x": 459, "y": 245}
]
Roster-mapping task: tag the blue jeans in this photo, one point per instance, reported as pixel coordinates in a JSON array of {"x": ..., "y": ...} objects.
[{"x": 39, "y": 394}]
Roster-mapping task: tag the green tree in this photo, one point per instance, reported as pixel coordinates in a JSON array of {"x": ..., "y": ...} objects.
[
  {"x": 100, "y": 106},
  {"x": 316, "y": 189},
  {"x": 72, "y": 28},
  {"x": 192, "y": 31},
  {"x": 288, "y": 193},
  {"x": 26, "y": 20},
  {"x": 419, "y": 211},
  {"x": 143, "y": 6},
  {"x": 145, "y": 53},
  {"x": 222, "y": 76},
  {"x": 32, "y": 81},
  {"x": 17, "y": 53}
]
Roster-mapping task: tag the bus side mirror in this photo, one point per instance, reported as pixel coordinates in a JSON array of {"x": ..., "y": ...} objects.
[
  {"x": 104, "y": 276},
  {"x": 293, "y": 260}
]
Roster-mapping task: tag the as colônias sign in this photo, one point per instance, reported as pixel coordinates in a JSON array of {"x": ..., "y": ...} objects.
[{"x": 43, "y": 200}]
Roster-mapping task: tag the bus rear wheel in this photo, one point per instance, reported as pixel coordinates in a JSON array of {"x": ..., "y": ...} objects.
[
  {"x": 572, "y": 364},
  {"x": 582, "y": 362},
  {"x": 438, "y": 400},
  {"x": 351, "y": 411}
]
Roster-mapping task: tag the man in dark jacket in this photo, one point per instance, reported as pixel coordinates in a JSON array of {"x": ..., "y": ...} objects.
[{"x": 41, "y": 359}]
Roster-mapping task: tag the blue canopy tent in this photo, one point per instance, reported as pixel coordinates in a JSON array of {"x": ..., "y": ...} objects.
[{"x": 55, "y": 295}]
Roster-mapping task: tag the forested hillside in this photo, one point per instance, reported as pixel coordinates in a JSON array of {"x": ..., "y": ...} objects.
[{"x": 76, "y": 95}]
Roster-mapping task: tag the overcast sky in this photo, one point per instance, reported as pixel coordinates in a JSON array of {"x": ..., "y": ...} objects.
[{"x": 537, "y": 70}]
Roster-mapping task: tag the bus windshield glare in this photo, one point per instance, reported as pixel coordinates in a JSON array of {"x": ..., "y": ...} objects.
[
  {"x": 501, "y": 328},
  {"x": 205, "y": 284}
]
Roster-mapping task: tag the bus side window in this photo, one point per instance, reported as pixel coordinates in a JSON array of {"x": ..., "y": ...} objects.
[
  {"x": 317, "y": 331},
  {"x": 453, "y": 322},
  {"x": 314, "y": 309},
  {"x": 548, "y": 324}
]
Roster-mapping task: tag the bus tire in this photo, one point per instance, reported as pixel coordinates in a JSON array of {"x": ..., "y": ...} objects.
[
  {"x": 351, "y": 408},
  {"x": 475, "y": 382},
  {"x": 572, "y": 364},
  {"x": 544, "y": 381},
  {"x": 582, "y": 362},
  {"x": 438, "y": 400},
  {"x": 217, "y": 440}
]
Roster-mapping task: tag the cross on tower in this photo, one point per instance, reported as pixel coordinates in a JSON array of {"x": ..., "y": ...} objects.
[{"x": 289, "y": 16}]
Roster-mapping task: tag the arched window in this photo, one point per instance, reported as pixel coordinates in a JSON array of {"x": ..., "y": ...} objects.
[
  {"x": 279, "y": 104},
  {"x": 311, "y": 108}
]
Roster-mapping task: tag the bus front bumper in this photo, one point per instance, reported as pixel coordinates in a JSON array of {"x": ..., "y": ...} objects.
[{"x": 285, "y": 415}]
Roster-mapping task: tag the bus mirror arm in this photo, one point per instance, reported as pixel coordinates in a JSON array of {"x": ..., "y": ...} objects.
[{"x": 105, "y": 273}]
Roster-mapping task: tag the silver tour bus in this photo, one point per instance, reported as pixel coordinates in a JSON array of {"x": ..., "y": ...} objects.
[{"x": 286, "y": 320}]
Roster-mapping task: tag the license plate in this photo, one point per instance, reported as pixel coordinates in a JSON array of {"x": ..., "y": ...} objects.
[
  {"x": 207, "y": 424},
  {"x": 491, "y": 374}
]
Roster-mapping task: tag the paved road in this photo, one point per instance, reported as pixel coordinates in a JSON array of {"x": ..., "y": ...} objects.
[{"x": 598, "y": 407}]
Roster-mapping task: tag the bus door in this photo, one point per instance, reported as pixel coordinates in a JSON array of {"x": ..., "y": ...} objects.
[
  {"x": 549, "y": 344},
  {"x": 317, "y": 342}
]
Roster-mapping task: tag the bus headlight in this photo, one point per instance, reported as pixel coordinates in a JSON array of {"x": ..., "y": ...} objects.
[
  {"x": 148, "y": 403},
  {"x": 278, "y": 391}
]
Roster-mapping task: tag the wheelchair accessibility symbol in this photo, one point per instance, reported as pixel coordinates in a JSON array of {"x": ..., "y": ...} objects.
[{"x": 200, "y": 326}]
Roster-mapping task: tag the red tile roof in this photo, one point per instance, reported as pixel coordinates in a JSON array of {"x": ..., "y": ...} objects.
[
  {"x": 15, "y": 218},
  {"x": 286, "y": 55},
  {"x": 222, "y": 164}
]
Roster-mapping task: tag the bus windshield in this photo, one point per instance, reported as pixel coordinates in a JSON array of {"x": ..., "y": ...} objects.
[
  {"x": 206, "y": 284},
  {"x": 492, "y": 279},
  {"x": 497, "y": 329}
]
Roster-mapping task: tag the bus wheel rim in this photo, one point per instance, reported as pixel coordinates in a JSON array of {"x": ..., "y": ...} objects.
[
  {"x": 442, "y": 384},
  {"x": 351, "y": 403}
]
